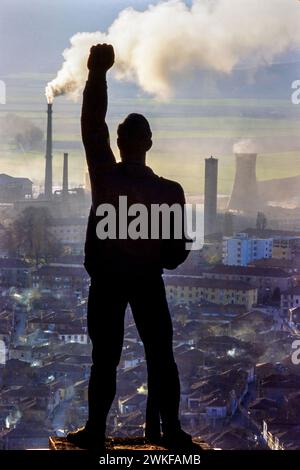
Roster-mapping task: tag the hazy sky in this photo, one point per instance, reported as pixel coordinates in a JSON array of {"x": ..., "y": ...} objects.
[{"x": 33, "y": 33}]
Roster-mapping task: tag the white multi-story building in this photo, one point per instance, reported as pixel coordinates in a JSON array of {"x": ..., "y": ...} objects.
[{"x": 241, "y": 250}]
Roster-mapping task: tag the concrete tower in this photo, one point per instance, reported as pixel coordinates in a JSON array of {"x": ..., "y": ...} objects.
[
  {"x": 48, "y": 169},
  {"x": 244, "y": 196},
  {"x": 210, "y": 196}
]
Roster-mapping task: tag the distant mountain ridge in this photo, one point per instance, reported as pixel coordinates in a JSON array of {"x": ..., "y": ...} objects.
[{"x": 281, "y": 189}]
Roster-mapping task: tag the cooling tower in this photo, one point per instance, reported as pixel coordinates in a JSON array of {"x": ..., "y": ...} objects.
[
  {"x": 244, "y": 196},
  {"x": 48, "y": 169}
]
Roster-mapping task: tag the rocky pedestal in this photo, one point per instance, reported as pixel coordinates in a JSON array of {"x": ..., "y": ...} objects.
[{"x": 119, "y": 445}]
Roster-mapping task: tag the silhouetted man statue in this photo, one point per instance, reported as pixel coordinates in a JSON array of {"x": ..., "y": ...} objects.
[{"x": 127, "y": 271}]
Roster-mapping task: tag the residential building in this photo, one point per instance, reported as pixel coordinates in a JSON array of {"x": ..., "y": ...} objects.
[
  {"x": 290, "y": 299},
  {"x": 70, "y": 334},
  {"x": 193, "y": 289},
  {"x": 21, "y": 353},
  {"x": 60, "y": 279},
  {"x": 212, "y": 249},
  {"x": 219, "y": 396},
  {"x": 15, "y": 272},
  {"x": 266, "y": 280},
  {"x": 6, "y": 333},
  {"x": 3, "y": 350},
  {"x": 131, "y": 403},
  {"x": 241, "y": 250},
  {"x": 294, "y": 318},
  {"x": 290, "y": 266},
  {"x": 285, "y": 247},
  {"x": 70, "y": 232}
]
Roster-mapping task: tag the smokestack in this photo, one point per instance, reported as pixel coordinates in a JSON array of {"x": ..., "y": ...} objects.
[
  {"x": 210, "y": 195},
  {"x": 48, "y": 170},
  {"x": 244, "y": 196},
  {"x": 65, "y": 185}
]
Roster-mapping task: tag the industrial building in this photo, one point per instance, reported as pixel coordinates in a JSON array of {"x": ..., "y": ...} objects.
[
  {"x": 13, "y": 189},
  {"x": 67, "y": 202}
]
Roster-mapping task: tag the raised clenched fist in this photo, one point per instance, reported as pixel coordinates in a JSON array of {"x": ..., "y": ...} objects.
[{"x": 101, "y": 57}]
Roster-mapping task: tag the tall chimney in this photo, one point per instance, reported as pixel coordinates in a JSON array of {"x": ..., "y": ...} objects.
[
  {"x": 210, "y": 196},
  {"x": 65, "y": 185},
  {"x": 48, "y": 170}
]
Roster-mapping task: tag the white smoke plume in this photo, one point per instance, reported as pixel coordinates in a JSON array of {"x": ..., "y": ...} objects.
[
  {"x": 171, "y": 39},
  {"x": 245, "y": 146}
]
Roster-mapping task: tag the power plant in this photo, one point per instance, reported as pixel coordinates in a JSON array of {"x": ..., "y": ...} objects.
[
  {"x": 210, "y": 196},
  {"x": 64, "y": 202},
  {"x": 244, "y": 197},
  {"x": 245, "y": 200}
]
